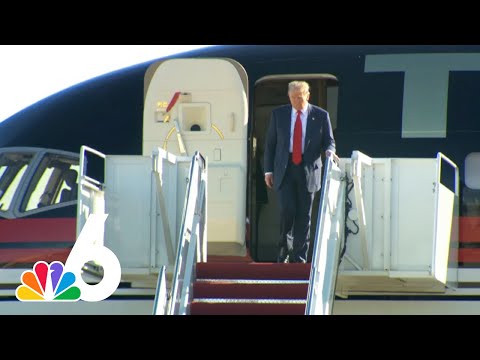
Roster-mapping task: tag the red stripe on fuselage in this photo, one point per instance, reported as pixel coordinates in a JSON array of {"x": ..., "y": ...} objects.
[
  {"x": 30, "y": 256},
  {"x": 469, "y": 229},
  {"x": 36, "y": 230},
  {"x": 469, "y": 241}
]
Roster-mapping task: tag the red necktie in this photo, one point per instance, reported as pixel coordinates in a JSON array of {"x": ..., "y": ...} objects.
[{"x": 297, "y": 140}]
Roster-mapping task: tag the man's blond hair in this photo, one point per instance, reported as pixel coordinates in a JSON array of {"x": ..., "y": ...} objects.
[{"x": 298, "y": 85}]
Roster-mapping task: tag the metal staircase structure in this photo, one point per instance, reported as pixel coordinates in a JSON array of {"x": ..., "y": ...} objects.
[{"x": 371, "y": 260}]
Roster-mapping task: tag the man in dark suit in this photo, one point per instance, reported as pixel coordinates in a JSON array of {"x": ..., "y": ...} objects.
[{"x": 297, "y": 135}]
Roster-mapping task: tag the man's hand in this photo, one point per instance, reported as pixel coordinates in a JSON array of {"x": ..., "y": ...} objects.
[
  {"x": 269, "y": 180},
  {"x": 336, "y": 159}
]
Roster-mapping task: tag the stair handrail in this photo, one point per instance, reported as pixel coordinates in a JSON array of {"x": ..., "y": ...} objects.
[
  {"x": 329, "y": 234},
  {"x": 192, "y": 244},
  {"x": 161, "y": 293},
  {"x": 359, "y": 161}
]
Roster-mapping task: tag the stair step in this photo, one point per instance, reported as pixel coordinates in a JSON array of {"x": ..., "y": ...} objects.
[
  {"x": 228, "y": 258},
  {"x": 267, "y": 271},
  {"x": 248, "y": 288},
  {"x": 247, "y": 307},
  {"x": 294, "y": 289}
]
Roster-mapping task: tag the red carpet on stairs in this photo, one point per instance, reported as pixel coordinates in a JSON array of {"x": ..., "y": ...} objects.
[
  {"x": 219, "y": 289},
  {"x": 249, "y": 288},
  {"x": 270, "y": 271},
  {"x": 247, "y": 309}
]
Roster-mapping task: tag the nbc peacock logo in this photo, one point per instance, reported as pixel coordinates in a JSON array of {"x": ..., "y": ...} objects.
[
  {"x": 48, "y": 283},
  {"x": 56, "y": 282}
]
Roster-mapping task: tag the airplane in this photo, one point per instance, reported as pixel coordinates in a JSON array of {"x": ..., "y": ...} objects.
[{"x": 386, "y": 101}]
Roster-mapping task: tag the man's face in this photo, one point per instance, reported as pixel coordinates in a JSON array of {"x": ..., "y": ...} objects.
[{"x": 298, "y": 99}]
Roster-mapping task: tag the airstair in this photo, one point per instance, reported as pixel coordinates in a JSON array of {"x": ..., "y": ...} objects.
[{"x": 384, "y": 227}]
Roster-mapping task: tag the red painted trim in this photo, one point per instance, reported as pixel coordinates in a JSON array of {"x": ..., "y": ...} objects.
[
  {"x": 173, "y": 101},
  {"x": 469, "y": 229},
  {"x": 10, "y": 257},
  {"x": 469, "y": 255},
  {"x": 33, "y": 230}
]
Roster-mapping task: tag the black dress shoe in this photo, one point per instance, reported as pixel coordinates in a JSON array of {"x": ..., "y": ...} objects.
[{"x": 282, "y": 256}]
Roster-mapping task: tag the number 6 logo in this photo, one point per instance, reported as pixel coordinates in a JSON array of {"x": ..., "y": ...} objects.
[{"x": 89, "y": 247}]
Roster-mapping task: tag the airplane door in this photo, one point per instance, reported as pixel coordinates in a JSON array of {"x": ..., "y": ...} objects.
[
  {"x": 270, "y": 92},
  {"x": 202, "y": 105}
]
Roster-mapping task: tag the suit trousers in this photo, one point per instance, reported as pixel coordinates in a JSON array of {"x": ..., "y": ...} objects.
[{"x": 295, "y": 213}]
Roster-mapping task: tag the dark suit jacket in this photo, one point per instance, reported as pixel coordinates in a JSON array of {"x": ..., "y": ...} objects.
[{"x": 318, "y": 139}]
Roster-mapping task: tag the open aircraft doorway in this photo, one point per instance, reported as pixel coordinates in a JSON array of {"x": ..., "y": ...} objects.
[{"x": 270, "y": 92}]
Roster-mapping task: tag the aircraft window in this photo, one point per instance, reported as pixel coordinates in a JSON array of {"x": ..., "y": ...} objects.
[
  {"x": 471, "y": 190},
  {"x": 68, "y": 191},
  {"x": 472, "y": 170},
  {"x": 48, "y": 182},
  {"x": 7, "y": 195},
  {"x": 40, "y": 196},
  {"x": 12, "y": 168},
  {"x": 2, "y": 171}
]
